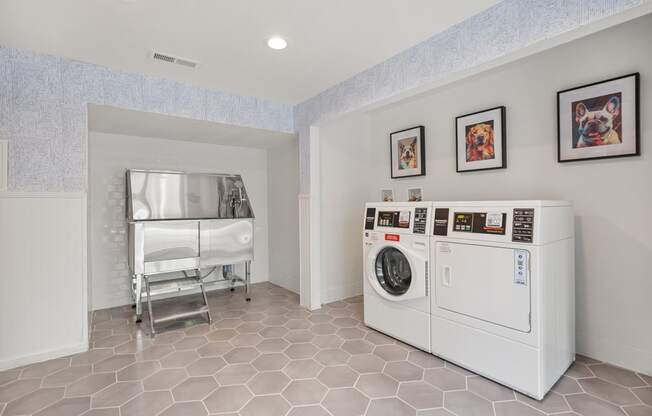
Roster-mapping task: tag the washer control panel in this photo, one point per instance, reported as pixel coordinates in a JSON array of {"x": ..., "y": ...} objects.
[
  {"x": 420, "y": 220},
  {"x": 395, "y": 219},
  {"x": 369, "y": 219},
  {"x": 523, "y": 225}
]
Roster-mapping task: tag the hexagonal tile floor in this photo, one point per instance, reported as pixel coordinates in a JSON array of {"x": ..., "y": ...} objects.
[{"x": 271, "y": 357}]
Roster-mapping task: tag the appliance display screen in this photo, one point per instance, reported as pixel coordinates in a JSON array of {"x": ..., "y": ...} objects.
[
  {"x": 396, "y": 219},
  {"x": 480, "y": 222}
]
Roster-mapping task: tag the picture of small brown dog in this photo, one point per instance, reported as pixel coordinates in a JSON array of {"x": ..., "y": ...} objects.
[
  {"x": 480, "y": 141},
  {"x": 407, "y": 150}
]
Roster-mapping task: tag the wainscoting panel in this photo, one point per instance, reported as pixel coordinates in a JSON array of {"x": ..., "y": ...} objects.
[{"x": 43, "y": 293}]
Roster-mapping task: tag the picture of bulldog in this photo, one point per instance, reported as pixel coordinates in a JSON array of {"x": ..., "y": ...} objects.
[
  {"x": 597, "y": 121},
  {"x": 480, "y": 141},
  {"x": 407, "y": 150}
]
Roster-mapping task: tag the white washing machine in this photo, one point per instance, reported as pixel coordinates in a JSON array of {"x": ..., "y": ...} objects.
[
  {"x": 503, "y": 301},
  {"x": 396, "y": 261}
]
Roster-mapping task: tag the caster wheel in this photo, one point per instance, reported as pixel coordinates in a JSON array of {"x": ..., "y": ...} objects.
[
  {"x": 232, "y": 289},
  {"x": 248, "y": 299},
  {"x": 133, "y": 306},
  {"x": 139, "y": 320}
]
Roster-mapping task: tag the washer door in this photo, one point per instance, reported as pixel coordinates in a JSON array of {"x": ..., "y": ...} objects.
[{"x": 393, "y": 271}]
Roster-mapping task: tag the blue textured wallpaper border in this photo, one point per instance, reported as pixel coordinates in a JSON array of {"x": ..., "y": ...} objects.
[
  {"x": 44, "y": 99},
  {"x": 501, "y": 29},
  {"x": 43, "y": 113}
]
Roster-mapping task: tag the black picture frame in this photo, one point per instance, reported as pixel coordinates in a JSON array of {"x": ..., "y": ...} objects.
[
  {"x": 421, "y": 156},
  {"x": 637, "y": 119},
  {"x": 503, "y": 139}
]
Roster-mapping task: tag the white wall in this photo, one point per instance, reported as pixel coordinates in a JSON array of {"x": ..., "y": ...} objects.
[
  {"x": 43, "y": 312},
  {"x": 283, "y": 213},
  {"x": 612, "y": 198},
  {"x": 344, "y": 151},
  {"x": 110, "y": 155}
]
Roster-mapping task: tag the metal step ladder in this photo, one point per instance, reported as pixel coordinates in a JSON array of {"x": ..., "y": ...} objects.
[{"x": 176, "y": 285}]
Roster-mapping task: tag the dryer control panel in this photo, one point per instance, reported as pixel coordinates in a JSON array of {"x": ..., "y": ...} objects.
[
  {"x": 486, "y": 223},
  {"x": 480, "y": 222},
  {"x": 523, "y": 225},
  {"x": 523, "y": 222}
]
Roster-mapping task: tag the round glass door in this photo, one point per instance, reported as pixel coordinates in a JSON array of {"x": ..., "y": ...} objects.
[{"x": 393, "y": 271}]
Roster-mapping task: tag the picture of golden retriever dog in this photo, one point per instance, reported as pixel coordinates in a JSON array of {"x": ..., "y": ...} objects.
[
  {"x": 407, "y": 150},
  {"x": 480, "y": 141}
]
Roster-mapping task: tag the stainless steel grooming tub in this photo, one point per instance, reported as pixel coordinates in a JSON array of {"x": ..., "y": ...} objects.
[{"x": 181, "y": 225}]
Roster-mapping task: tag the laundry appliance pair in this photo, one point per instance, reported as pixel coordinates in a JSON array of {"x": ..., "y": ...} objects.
[{"x": 487, "y": 285}]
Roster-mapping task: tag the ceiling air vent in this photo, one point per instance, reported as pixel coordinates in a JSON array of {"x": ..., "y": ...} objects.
[{"x": 166, "y": 57}]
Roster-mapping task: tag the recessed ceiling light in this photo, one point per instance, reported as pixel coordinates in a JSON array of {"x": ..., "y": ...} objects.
[{"x": 277, "y": 43}]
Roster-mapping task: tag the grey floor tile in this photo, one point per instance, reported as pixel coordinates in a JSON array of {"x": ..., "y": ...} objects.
[
  {"x": 304, "y": 392},
  {"x": 587, "y": 405},
  {"x": 338, "y": 376},
  {"x": 376, "y": 385},
  {"x": 617, "y": 375},
  {"x": 421, "y": 395},
  {"x": 608, "y": 391},
  {"x": 551, "y": 403},
  {"x": 489, "y": 389},
  {"x": 465, "y": 403},
  {"x": 194, "y": 388},
  {"x": 266, "y": 406},
  {"x": 149, "y": 403},
  {"x": 514, "y": 408},
  {"x": 445, "y": 379},
  {"x": 34, "y": 401},
  {"x": 186, "y": 409},
  {"x": 345, "y": 402},
  {"x": 67, "y": 407},
  {"x": 389, "y": 407}
]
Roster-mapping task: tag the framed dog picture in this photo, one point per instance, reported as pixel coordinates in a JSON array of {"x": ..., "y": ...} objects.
[
  {"x": 387, "y": 195},
  {"x": 599, "y": 120},
  {"x": 415, "y": 194},
  {"x": 480, "y": 140},
  {"x": 407, "y": 152}
]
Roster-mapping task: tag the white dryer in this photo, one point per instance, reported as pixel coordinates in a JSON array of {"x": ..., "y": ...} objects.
[
  {"x": 503, "y": 301},
  {"x": 396, "y": 261}
]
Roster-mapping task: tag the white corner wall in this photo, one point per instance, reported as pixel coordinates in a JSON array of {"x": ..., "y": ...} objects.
[
  {"x": 612, "y": 198},
  {"x": 110, "y": 155},
  {"x": 43, "y": 312},
  {"x": 283, "y": 213},
  {"x": 344, "y": 152}
]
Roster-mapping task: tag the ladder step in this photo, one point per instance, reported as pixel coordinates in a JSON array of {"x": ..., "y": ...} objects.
[
  {"x": 164, "y": 286},
  {"x": 173, "y": 285},
  {"x": 182, "y": 314}
]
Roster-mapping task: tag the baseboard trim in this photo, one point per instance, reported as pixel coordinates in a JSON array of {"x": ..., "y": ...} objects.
[
  {"x": 341, "y": 292},
  {"x": 624, "y": 356},
  {"x": 284, "y": 285},
  {"x": 60, "y": 195},
  {"x": 14, "y": 362}
]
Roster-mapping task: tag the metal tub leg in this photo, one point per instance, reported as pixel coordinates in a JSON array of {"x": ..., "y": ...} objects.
[
  {"x": 149, "y": 306},
  {"x": 138, "y": 295},
  {"x": 203, "y": 293},
  {"x": 247, "y": 279}
]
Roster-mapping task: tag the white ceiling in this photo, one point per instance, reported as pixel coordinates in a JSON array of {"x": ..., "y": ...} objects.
[
  {"x": 329, "y": 40},
  {"x": 113, "y": 120}
]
